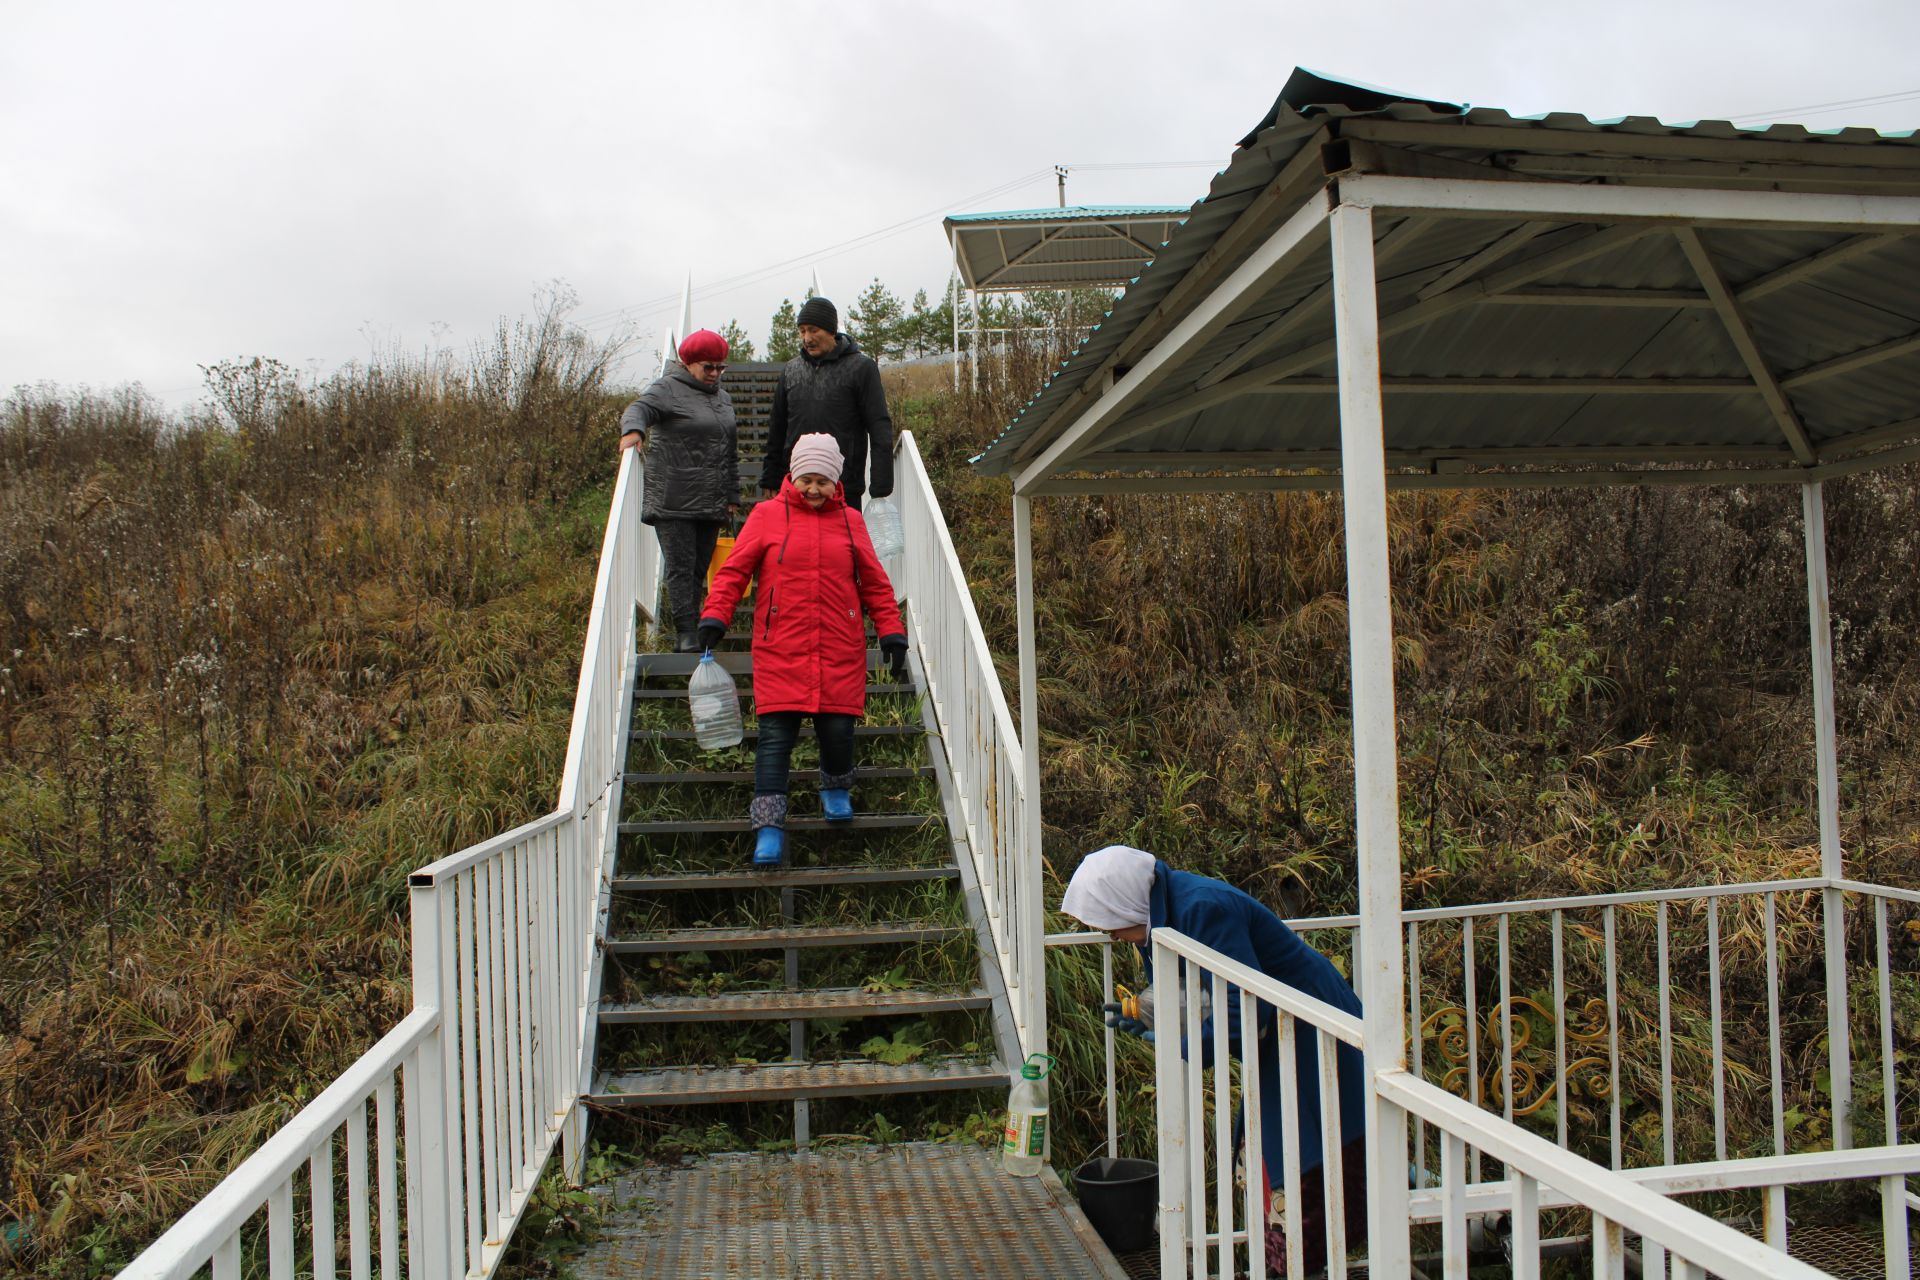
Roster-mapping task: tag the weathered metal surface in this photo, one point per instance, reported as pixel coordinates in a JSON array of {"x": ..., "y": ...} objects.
[
  {"x": 716, "y": 776},
  {"x": 908, "y": 1212},
  {"x": 831, "y": 1002},
  {"x": 688, "y": 1086},
  {"x": 780, "y": 879},
  {"x": 776, "y": 939},
  {"x": 723, "y": 826},
  {"x": 806, "y": 731}
]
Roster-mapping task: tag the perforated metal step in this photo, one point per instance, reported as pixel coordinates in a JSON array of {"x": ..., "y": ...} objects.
[
  {"x": 806, "y": 731},
  {"x": 911, "y": 1211},
  {"x": 785, "y": 878},
  {"x": 775, "y": 1006},
  {"x": 777, "y": 1081},
  {"x": 723, "y": 826},
  {"x": 780, "y": 939},
  {"x": 716, "y": 776}
]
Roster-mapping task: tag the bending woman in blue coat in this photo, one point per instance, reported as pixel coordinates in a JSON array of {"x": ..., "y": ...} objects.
[{"x": 1128, "y": 892}]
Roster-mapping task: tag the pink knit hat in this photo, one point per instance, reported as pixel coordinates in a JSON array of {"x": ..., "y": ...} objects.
[{"x": 818, "y": 455}]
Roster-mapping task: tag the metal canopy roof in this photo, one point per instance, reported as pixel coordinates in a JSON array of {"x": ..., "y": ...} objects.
[
  {"x": 1558, "y": 298},
  {"x": 1080, "y": 246}
]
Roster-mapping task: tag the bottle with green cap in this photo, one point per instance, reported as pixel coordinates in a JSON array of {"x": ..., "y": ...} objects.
[{"x": 1025, "y": 1146}]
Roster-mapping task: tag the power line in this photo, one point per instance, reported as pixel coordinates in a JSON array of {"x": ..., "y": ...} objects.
[
  {"x": 665, "y": 302},
  {"x": 1821, "y": 108}
]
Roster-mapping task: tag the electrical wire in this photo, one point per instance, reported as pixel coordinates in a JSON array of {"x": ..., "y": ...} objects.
[{"x": 1822, "y": 108}]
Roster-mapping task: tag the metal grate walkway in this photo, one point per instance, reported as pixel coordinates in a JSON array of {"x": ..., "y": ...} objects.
[{"x": 913, "y": 1211}]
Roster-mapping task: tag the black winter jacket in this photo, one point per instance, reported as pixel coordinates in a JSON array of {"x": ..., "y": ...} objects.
[
  {"x": 693, "y": 459},
  {"x": 840, "y": 394}
]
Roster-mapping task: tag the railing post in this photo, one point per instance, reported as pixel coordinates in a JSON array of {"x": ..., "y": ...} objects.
[
  {"x": 1827, "y": 768},
  {"x": 1170, "y": 1103},
  {"x": 426, "y": 1096},
  {"x": 1030, "y": 923},
  {"x": 1380, "y": 976}
]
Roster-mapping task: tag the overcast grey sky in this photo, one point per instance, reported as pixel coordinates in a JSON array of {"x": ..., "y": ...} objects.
[{"x": 186, "y": 183}]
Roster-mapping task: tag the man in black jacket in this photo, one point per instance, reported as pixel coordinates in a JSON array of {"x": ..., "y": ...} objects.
[{"x": 831, "y": 386}]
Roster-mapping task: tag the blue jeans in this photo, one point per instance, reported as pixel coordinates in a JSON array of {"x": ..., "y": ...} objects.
[{"x": 779, "y": 730}]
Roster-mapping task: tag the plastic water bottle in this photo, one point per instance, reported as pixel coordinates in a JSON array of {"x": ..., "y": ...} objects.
[
  {"x": 1026, "y": 1143},
  {"x": 883, "y": 522},
  {"x": 715, "y": 701}
]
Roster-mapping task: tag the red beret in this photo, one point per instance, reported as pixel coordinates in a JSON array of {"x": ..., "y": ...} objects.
[{"x": 702, "y": 345}]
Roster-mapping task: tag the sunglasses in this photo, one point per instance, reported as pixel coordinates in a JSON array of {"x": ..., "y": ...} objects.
[{"x": 714, "y": 365}]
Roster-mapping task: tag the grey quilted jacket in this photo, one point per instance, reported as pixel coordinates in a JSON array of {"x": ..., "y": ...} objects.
[{"x": 693, "y": 459}]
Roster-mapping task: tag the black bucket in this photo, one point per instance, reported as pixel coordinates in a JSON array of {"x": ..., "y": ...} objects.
[{"x": 1121, "y": 1198}]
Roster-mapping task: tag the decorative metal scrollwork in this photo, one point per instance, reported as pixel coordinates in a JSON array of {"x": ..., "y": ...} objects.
[{"x": 1534, "y": 1083}]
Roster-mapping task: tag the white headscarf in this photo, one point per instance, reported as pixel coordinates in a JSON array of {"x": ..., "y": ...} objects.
[{"x": 1110, "y": 888}]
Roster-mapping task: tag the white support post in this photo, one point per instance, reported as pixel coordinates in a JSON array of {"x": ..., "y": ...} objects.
[
  {"x": 1030, "y": 925},
  {"x": 1381, "y": 975},
  {"x": 973, "y": 355},
  {"x": 953, "y": 299},
  {"x": 1170, "y": 1103},
  {"x": 426, "y": 1097},
  {"x": 1827, "y": 766}
]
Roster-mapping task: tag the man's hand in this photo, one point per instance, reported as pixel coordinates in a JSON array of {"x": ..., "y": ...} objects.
[{"x": 631, "y": 440}]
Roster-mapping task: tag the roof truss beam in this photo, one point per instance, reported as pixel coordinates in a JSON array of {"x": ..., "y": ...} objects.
[
  {"x": 1047, "y": 236},
  {"x": 1526, "y": 386},
  {"x": 1735, "y": 321},
  {"x": 1891, "y": 350},
  {"x": 1202, "y": 323},
  {"x": 1310, "y": 307},
  {"x": 1832, "y": 255},
  {"x": 1302, "y": 171},
  {"x": 1474, "y": 264},
  {"x": 1566, "y": 296},
  {"x": 1414, "y": 313}
]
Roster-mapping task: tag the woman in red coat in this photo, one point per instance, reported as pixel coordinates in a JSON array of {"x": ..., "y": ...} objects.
[{"x": 814, "y": 569}]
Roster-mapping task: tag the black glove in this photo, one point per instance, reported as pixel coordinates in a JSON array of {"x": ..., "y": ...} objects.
[
  {"x": 710, "y": 633},
  {"x": 895, "y": 650}
]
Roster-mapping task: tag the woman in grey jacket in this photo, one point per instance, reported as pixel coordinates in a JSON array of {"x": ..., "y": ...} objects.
[{"x": 693, "y": 484}]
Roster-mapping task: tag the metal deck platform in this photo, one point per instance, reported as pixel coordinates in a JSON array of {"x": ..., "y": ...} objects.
[{"x": 907, "y": 1212}]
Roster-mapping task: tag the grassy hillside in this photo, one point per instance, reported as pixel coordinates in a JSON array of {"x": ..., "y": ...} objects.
[
  {"x": 254, "y": 667},
  {"x": 258, "y": 663}
]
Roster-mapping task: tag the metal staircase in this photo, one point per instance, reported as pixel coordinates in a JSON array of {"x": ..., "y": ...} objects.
[{"x": 862, "y": 931}]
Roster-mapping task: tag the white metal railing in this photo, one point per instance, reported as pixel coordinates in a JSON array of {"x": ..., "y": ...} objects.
[
  {"x": 982, "y": 745},
  {"x": 472, "y": 1091},
  {"x": 1456, "y": 1122}
]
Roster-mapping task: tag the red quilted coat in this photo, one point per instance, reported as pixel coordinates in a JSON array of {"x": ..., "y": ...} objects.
[{"x": 813, "y": 571}]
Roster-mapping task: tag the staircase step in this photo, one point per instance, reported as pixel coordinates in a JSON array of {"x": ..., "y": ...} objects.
[
  {"x": 806, "y": 731},
  {"x": 738, "y": 662},
  {"x": 725, "y": 826},
  {"x": 780, "y": 1080},
  {"x": 861, "y": 774},
  {"x": 780, "y": 879},
  {"x": 779, "y": 1006},
  {"x": 873, "y": 691},
  {"x": 779, "y": 939}
]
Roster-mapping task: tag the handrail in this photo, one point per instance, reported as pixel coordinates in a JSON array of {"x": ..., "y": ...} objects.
[
  {"x": 1338, "y": 1023},
  {"x": 1616, "y": 1202},
  {"x": 453, "y": 864},
  {"x": 181, "y": 1250},
  {"x": 983, "y": 748}
]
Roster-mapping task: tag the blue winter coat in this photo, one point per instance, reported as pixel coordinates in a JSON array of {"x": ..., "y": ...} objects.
[{"x": 1235, "y": 924}]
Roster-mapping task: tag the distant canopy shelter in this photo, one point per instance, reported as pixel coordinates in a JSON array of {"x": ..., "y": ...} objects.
[{"x": 1075, "y": 247}]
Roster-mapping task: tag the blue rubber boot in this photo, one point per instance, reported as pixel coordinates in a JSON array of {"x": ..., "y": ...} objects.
[
  {"x": 836, "y": 804},
  {"x": 769, "y": 848}
]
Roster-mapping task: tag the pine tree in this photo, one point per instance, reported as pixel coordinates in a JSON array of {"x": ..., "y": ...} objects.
[
  {"x": 739, "y": 345},
  {"x": 783, "y": 340},
  {"x": 876, "y": 320}
]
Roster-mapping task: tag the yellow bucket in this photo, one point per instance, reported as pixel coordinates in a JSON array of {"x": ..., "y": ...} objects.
[{"x": 722, "y": 548}]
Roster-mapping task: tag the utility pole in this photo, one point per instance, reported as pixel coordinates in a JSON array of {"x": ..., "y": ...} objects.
[{"x": 1060, "y": 175}]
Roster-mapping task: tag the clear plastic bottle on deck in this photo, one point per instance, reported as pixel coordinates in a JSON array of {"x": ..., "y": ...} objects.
[
  {"x": 1026, "y": 1143},
  {"x": 715, "y": 702}
]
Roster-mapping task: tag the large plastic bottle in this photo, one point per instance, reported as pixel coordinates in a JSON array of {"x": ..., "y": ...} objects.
[
  {"x": 715, "y": 701},
  {"x": 1025, "y": 1145},
  {"x": 889, "y": 541}
]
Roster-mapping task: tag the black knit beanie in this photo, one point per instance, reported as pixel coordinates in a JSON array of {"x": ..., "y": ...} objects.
[{"x": 819, "y": 313}]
